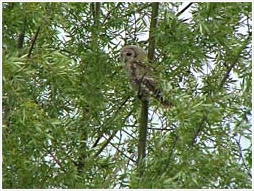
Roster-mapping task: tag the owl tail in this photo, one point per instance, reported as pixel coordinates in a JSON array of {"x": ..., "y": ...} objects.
[
  {"x": 160, "y": 98},
  {"x": 156, "y": 93}
]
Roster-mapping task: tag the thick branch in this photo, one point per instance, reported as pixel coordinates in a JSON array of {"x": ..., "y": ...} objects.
[
  {"x": 21, "y": 35},
  {"x": 151, "y": 48},
  {"x": 145, "y": 103},
  {"x": 143, "y": 131}
]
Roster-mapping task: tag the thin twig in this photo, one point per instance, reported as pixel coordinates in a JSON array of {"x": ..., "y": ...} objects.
[
  {"x": 200, "y": 128},
  {"x": 55, "y": 159},
  {"x": 242, "y": 157},
  {"x": 161, "y": 129},
  {"x": 110, "y": 138},
  {"x": 33, "y": 42},
  {"x": 184, "y": 9},
  {"x": 105, "y": 144},
  {"x": 117, "y": 111},
  {"x": 122, "y": 152},
  {"x": 234, "y": 62}
]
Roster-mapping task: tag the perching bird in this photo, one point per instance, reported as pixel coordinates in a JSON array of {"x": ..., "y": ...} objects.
[{"x": 139, "y": 74}]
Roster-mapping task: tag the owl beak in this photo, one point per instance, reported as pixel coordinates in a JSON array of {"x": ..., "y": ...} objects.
[{"x": 122, "y": 58}]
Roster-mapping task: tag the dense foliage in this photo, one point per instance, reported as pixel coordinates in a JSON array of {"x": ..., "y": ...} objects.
[{"x": 64, "y": 88}]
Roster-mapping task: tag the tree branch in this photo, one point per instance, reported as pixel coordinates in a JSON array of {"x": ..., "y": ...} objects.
[
  {"x": 33, "y": 42},
  {"x": 21, "y": 35},
  {"x": 154, "y": 19},
  {"x": 242, "y": 158},
  {"x": 233, "y": 63},
  {"x": 110, "y": 138},
  {"x": 145, "y": 103},
  {"x": 117, "y": 111},
  {"x": 143, "y": 131},
  {"x": 105, "y": 144},
  {"x": 122, "y": 152},
  {"x": 95, "y": 11},
  {"x": 184, "y": 9}
]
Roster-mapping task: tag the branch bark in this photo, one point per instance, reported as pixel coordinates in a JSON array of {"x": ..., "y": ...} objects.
[
  {"x": 142, "y": 136},
  {"x": 21, "y": 35},
  {"x": 183, "y": 10},
  {"x": 33, "y": 42},
  {"x": 154, "y": 19},
  {"x": 145, "y": 103}
]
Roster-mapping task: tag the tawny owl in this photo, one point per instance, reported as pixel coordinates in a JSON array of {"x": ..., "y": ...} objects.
[{"x": 139, "y": 74}]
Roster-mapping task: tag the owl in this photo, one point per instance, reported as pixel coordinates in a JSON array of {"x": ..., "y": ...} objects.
[{"x": 140, "y": 74}]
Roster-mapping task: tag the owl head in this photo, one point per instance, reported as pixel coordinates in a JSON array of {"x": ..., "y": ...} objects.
[{"x": 132, "y": 52}]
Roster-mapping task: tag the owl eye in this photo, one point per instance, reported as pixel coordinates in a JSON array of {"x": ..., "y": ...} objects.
[{"x": 128, "y": 54}]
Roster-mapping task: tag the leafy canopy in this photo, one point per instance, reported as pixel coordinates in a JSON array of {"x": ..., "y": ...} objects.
[{"x": 72, "y": 90}]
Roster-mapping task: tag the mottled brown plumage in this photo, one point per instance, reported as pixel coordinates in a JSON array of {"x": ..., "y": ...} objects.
[{"x": 139, "y": 73}]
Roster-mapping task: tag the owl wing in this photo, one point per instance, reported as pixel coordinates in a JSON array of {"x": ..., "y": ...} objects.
[
  {"x": 151, "y": 86},
  {"x": 140, "y": 78},
  {"x": 147, "y": 84}
]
